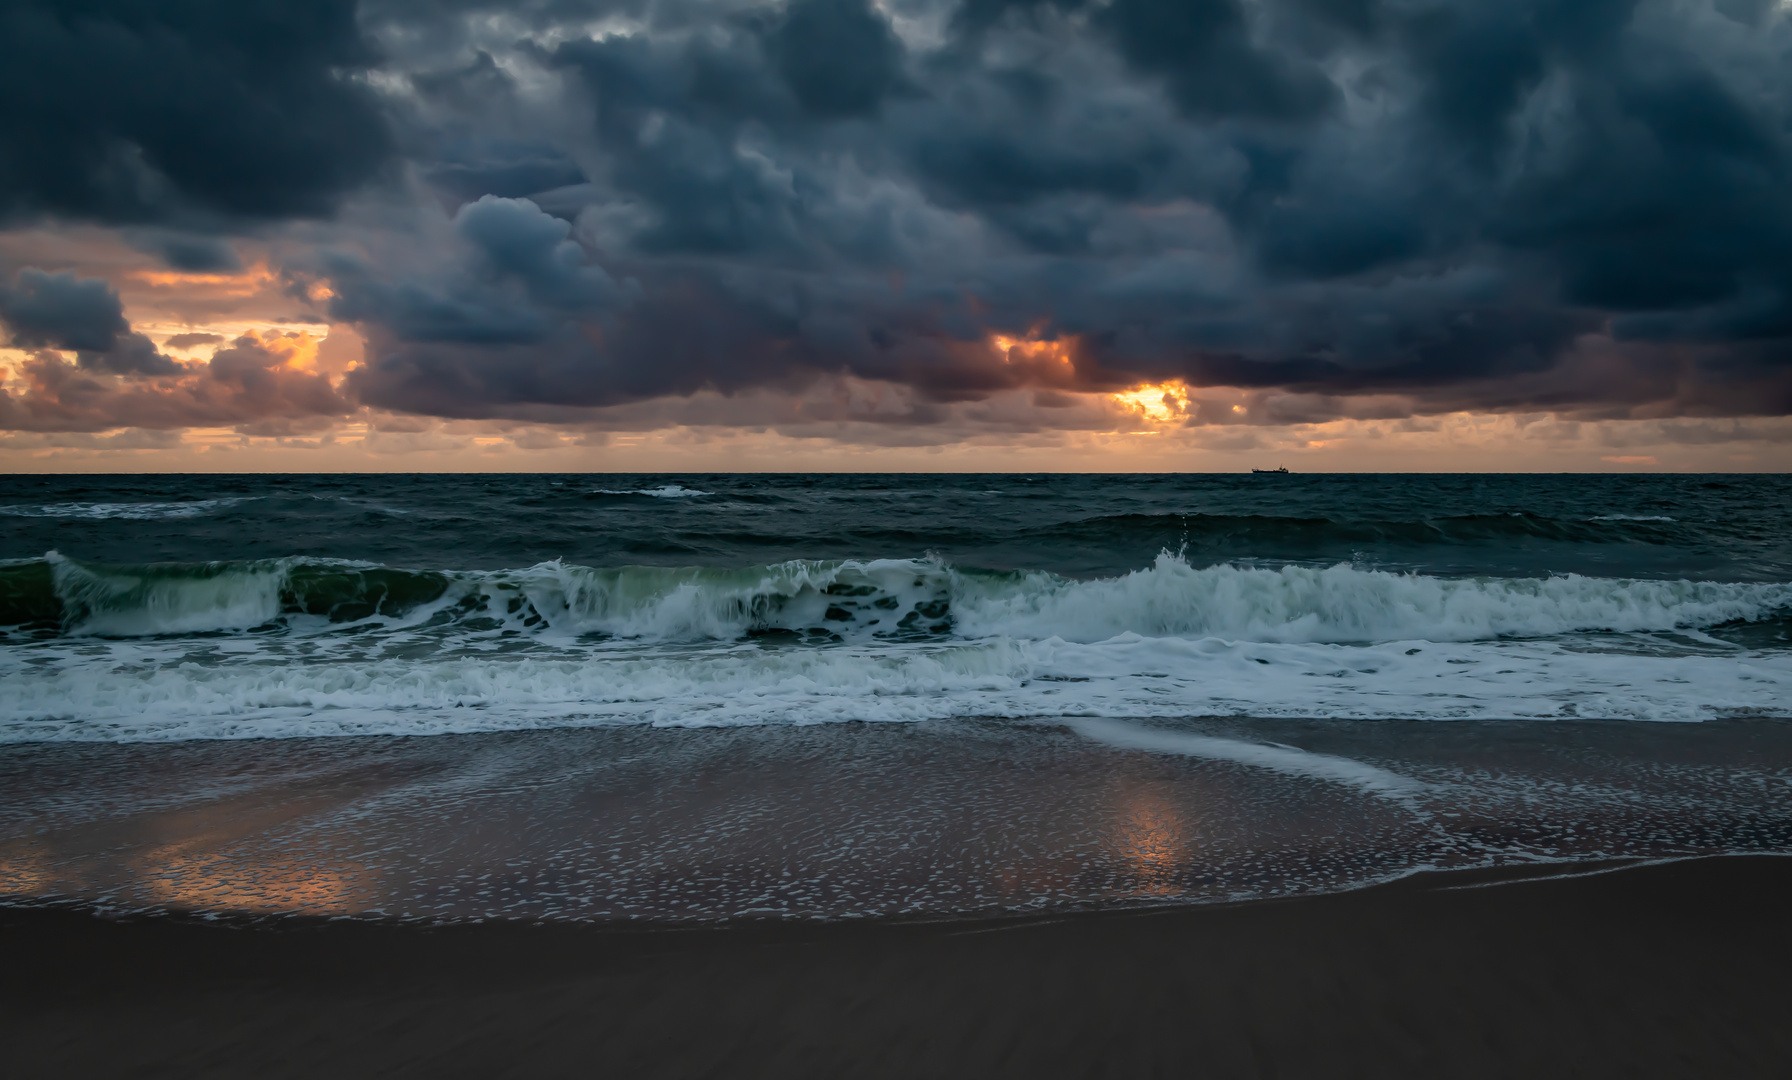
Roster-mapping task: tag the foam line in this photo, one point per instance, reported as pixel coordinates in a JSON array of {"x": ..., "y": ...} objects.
[
  {"x": 665, "y": 491},
  {"x": 1284, "y": 759},
  {"x": 134, "y": 511}
]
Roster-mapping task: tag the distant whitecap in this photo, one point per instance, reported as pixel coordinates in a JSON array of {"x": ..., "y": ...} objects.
[{"x": 667, "y": 491}]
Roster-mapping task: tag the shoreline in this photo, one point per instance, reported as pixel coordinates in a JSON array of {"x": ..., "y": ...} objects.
[
  {"x": 974, "y": 921},
  {"x": 1655, "y": 969}
]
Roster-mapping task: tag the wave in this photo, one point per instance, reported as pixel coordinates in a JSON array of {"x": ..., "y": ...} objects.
[
  {"x": 132, "y": 511},
  {"x": 665, "y": 491},
  {"x": 848, "y": 600},
  {"x": 1345, "y": 604}
]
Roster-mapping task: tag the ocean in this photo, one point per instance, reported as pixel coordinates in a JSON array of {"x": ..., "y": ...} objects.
[{"x": 709, "y": 696}]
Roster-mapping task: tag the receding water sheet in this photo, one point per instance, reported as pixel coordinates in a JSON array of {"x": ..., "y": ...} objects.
[{"x": 849, "y": 820}]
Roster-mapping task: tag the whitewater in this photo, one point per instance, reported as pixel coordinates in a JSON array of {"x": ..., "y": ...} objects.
[{"x": 301, "y": 647}]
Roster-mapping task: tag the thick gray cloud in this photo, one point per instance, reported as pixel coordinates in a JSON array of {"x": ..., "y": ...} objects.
[
  {"x": 194, "y": 253},
  {"x": 837, "y": 56},
  {"x": 1202, "y": 50},
  {"x": 196, "y": 110},
  {"x": 512, "y": 277},
  {"x": 1575, "y": 205},
  {"x": 62, "y": 311}
]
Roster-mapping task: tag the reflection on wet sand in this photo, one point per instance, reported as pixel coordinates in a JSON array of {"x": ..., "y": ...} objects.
[
  {"x": 218, "y": 883},
  {"x": 1151, "y": 838},
  {"x": 834, "y": 821},
  {"x": 209, "y": 858},
  {"x": 24, "y": 871}
]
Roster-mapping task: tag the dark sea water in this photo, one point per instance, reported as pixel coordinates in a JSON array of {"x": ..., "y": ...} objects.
[{"x": 702, "y": 696}]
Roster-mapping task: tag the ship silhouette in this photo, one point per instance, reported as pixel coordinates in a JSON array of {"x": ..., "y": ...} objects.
[{"x": 1277, "y": 469}]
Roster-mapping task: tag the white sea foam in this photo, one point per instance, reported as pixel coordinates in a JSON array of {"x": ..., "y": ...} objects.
[
  {"x": 1630, "y": 517},
  {"x": 152, "y": 690},
  {"x": 664, "y": 491},
  {"x": 1345, "y": 604},
  {"x": 1286, "y": 759},
  {"x": 134, "y": 511}
]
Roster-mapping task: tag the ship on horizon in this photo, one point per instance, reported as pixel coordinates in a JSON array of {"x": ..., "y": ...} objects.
[{"x": 1277, "y": 469}]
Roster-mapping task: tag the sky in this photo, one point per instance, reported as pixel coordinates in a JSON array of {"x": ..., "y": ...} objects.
[{"x": 1002, "y": 235}]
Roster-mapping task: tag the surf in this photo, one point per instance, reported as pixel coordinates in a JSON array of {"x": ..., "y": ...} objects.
[{"x": 830, "y": 601}]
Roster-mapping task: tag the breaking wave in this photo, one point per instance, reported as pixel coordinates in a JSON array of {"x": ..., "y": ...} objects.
[
  {"x": 664, "y": 491},
  {"x": 858, "y": 600}
]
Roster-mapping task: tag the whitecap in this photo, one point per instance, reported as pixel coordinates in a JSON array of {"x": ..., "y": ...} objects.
[
  {"x": 132, "y": 511},
  {"x": 665, "y": 491}
]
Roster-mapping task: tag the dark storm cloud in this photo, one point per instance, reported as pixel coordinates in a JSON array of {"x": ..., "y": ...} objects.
[
  {"x": 139, "y": 110},
  {"x": 1574, "y": 205},
  {"x": 462, "y": 130},
  {"x": 1669, "y": 195},
  {"x": 62, "y": 311},
  {"x": 837, "y": 56},
  {"x": 505, "y": 169},
  {"x": 186, "y": 251},
  {"x": 1433, "y": 200},
  {"x": 1203, "y": 52},
  {"x": 674, "y": 115},
  {"x": 513, "y": 277}
]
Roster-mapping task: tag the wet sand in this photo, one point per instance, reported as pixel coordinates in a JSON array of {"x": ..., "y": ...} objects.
[{"x": 1681, "y": 970}]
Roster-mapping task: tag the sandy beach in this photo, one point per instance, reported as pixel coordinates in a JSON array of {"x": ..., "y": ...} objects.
[{"x": 1661, "y": 970}]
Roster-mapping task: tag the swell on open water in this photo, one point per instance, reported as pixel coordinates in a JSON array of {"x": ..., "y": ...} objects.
[{"x": 204, "y": 607}]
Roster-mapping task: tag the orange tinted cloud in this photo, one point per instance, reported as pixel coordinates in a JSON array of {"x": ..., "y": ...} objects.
[{"x": 252, "y": 379}]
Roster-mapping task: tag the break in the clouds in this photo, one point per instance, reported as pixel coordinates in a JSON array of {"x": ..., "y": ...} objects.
[{"x": 550, "y": 210}]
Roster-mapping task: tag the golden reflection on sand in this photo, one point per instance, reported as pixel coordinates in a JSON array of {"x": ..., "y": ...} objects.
[
  {"x": 214, "y": 882},
  {"x": 212, "y": 858},
  {"x": 1151, "y": 837},
  {"x": 197, "y": 870},
  {"x": 24, "y": 871}
]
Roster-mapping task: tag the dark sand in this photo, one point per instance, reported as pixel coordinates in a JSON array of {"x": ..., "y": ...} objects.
[{"x": 1681, "y": 970}]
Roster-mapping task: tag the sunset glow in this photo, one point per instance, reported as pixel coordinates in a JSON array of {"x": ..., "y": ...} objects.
[
  {"x": 1013, "y": 349},
  {"x": 1159, "y": 403},
  {"x": 244, "y": 284},
  {"x": 831, "y": 289}
]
